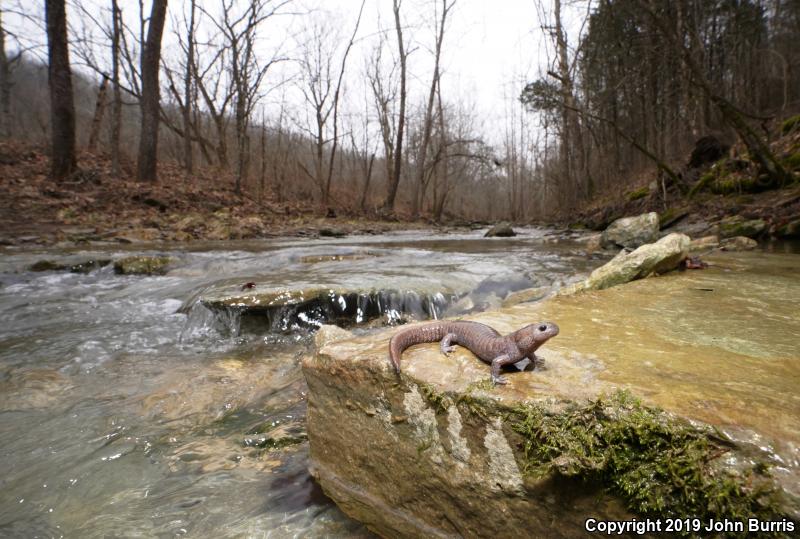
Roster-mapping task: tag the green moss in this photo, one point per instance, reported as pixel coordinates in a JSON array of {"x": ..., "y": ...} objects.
[
  {"x": 281, "y": 442},
  {"x": 793, "y": 161},
  {"x": 438, "y": 401},
  {"x": 636, "y": 194},
  {"x": 790, "y": 124},
  {"x": 704, "y": 181},
  {"x": 659, "y": 465}
]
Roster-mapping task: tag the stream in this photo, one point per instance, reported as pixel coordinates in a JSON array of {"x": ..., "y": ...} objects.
[{"x": 130, "y": 409}]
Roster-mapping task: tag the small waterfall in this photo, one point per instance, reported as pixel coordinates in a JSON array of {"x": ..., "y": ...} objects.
[{"x": 345, "y": 309}]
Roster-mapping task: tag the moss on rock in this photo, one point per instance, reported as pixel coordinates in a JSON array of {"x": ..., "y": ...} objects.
[{"x": 658, "y": 464}]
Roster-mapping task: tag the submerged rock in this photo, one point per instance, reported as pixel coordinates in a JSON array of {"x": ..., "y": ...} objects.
[
  {"x": 539, "y": 456},
  {"x": 500, "y": 230},
  {"x": 653, "y": 258},
  {"x": 142, "y": 265},
  {"x": 631, "y": 232}
]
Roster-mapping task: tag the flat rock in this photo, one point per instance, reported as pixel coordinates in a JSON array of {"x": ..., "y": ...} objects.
[{"x": 439, "y": 452}]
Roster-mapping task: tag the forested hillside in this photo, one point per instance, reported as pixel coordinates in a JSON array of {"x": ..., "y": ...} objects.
[{"x": 344, "y": 119}]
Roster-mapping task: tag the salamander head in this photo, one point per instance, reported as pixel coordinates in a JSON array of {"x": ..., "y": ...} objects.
[{"x": 532, "y": 336}]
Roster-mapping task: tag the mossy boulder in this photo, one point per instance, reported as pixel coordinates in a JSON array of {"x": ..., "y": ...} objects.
[
  {"x": 738, "y": 226},
  {"x": 631, "y": 232},
  {"x": 500, "y": 230},
  {"x": 142, "y": 265}
]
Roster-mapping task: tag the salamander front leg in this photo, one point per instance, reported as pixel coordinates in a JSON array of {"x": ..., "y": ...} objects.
[
  {"x": 537, "y": 362},
  {"x": 446, "y": 343},
  {"x": 497, "y": 364}
]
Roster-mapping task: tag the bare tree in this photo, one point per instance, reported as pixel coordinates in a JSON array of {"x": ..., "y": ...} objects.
[
  {"x": 62, "y": 108},
  {"x": 188, "y": 94},
  {"x": 6, "y": 64},
  {"x": 322, "y": 92},
  {"x": 116, "y": 106},
  {"x": 427, "y": 125},
  {"x": 394, "y": 180},
  {"x": 151, "y": 59}
]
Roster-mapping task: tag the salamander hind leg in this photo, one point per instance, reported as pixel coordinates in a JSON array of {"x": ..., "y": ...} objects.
[{"x": 446, "y": 343}]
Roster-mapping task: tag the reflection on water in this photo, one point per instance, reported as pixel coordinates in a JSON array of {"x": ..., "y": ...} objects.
[{"x": 121, "y": 415}]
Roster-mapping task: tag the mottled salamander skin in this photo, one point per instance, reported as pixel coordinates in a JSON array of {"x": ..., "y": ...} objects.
[{"x": 483, "y": 341}]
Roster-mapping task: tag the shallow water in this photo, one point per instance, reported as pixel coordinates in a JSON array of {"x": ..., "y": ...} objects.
[{"x": 121, "y": 415}]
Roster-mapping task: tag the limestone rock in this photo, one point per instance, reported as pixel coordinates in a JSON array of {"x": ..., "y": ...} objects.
[
  {"x": 631, "y": 232},
  {"x": 500, "y": 230},
  {"x": 397, "y": 452},
  {"x": 659, "y": 257}
]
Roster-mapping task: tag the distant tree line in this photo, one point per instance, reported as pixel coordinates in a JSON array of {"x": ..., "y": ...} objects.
[
  {"x": 647, "y": 78},
  {"x": 633, "y": 90}
]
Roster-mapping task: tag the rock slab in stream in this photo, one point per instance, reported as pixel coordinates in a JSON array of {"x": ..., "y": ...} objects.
[
  {"x": 631, "y": 232},
  {"x": 438, "y": 452},
  {"x": 390, "y": 458},
  {"x": 659, "y": 257}
]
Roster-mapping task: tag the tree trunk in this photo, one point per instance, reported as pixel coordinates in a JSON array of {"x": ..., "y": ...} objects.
[
  {"x": 62, "y": 108},
  {"x": 99, "y": 111},
  {"x": 188, "y": 101},
  {"x": 363, "y": 202},
  {"x": 394, "y": 180},
  {"x": 151, "y": 59},
  {"x": 5, "y": 84},
  {"x": 116, "y": 108},
  {"x": 427, "y": 126}
]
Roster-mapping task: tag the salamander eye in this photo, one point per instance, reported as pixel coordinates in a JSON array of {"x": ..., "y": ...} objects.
[{"x": 543, "y": 327}]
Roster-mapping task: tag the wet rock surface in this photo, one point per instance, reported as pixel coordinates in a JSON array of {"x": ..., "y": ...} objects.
[{"x": 514, "y": 460}]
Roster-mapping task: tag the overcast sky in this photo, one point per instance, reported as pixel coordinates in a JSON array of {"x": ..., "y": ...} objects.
[{"x": 490, "y": 47}]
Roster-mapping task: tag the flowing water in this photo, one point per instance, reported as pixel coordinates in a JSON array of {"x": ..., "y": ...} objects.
[{"x": 127, "y": 409}]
